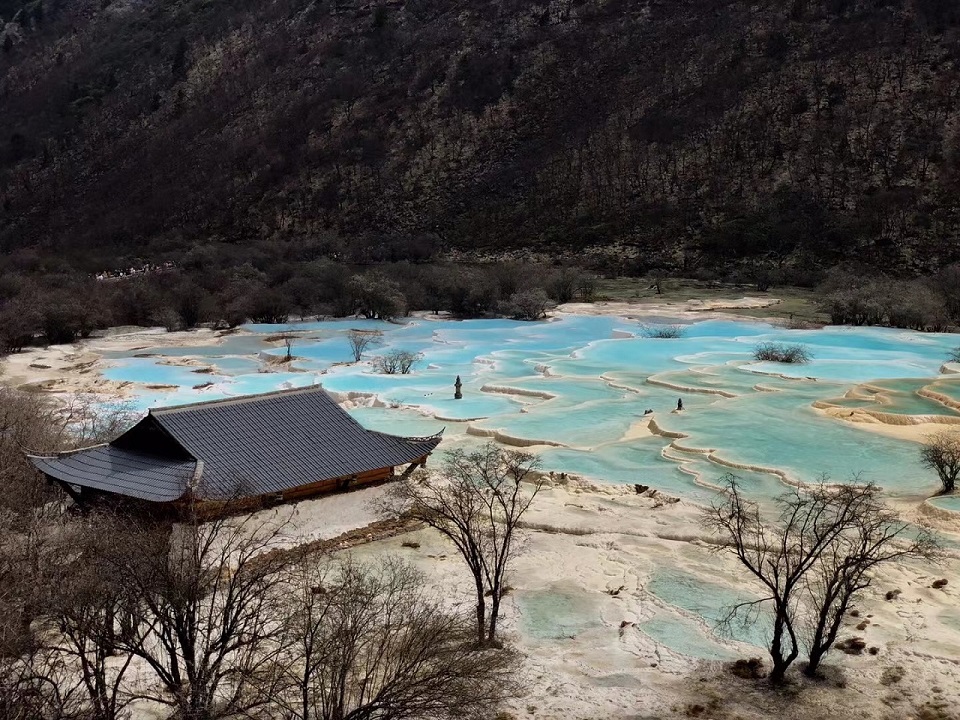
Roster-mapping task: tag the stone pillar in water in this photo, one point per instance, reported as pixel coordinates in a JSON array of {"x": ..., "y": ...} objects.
[{"x": 457, "y": 395}]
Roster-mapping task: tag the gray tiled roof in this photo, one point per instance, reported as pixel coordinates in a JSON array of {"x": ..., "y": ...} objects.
[
  {"x": 252, "y": 445},
  {"x": 106, "y": 468}
]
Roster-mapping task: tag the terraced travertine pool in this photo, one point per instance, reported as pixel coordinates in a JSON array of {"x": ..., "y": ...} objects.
[
  {"x": 576, "y": 386},
  {"x": 578, "y": 389}
]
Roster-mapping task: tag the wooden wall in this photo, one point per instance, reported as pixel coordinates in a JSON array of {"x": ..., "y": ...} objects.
[{"x": 209, "y": 509}]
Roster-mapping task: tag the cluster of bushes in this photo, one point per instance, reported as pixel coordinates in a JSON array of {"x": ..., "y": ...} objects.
[
  {"x": 782, "y": 353},
  {"x": 930, "y": 304},
  {"x": 59, "y": 308}
]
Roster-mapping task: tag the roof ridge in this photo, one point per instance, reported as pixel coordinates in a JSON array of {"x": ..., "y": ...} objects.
[
  {"x": 236, "y": 400},
  {"x": 409, "y": 438},
  {"x": 63, "y": 453}
]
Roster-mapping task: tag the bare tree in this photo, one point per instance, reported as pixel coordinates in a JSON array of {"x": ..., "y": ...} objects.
[
  {"x": 397, "y": 362},
  {"x": 85, "y": 420},
  {"x": 360, "y": 340},
  {"x": 47, "y": 601},
  {"x": 875, "y": 536},
  {"x": 767, "y": 553},
  {"x": 530, "y": 304},
  {"x": 86, "y": 609},
  {"x": 207, "y": 612},
  {"x": 26, "y": 421},
  {"x": 37, "y": 686},
  {"x": 942, "y": 453},
  {"x": 812, "y": 561},
  {"x": 476, "y": 501},
  {"x": 371, "y": 642}
]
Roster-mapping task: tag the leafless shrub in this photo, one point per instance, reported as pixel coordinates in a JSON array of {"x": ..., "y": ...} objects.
[
  {"x": 892, "y": 675},
  {"x": 782, "y": 353},
  {"x": 942, "y": 454},
  {"x": 852, "y": 646},
  {"x": 360, "y": 340},
  {"x": 751, "y": 669},
  {"x": 397, "y": 362},
  {"x": 663, "y": 332}
]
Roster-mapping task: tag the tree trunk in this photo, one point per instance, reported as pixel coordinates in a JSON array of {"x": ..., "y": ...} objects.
[
  {"x": 481, "y": 616},
  {"x": 494, "y": 614},
  {"x": 779, "y": 671},
  {"x": 780, "y": 662},
  {"x": 825, "y": 636},
  {"x": 816, "y": 657}
]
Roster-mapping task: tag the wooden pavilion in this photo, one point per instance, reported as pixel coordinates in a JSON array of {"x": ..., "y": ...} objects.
[{"x": 249, "y": 451}]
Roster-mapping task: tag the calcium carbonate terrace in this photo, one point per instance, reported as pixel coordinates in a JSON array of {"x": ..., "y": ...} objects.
[{"x": 577, "y": 388}]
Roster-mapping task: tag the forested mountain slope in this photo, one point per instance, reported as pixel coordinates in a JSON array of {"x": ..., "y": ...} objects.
[{"x": 687, "y": 133}]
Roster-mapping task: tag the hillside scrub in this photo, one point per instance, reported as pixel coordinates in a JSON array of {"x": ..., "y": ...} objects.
[
  {"x": 430, "y": 125},
  {"x": 855, "y": 299},
  {"x": 210, "y": 290}
]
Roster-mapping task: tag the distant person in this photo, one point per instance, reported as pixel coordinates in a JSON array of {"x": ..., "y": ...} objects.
[
  {"x": 648, "y": 411},
  {"x": 679, "y": 403}
]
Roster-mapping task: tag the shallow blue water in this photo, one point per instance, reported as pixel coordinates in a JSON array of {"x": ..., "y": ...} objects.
[
  {"x": 558, "y": 613},
  {"x": 947, "y": 502},
  {"x": 582, "y": 382},
  {"x": 710, "y": 601}
]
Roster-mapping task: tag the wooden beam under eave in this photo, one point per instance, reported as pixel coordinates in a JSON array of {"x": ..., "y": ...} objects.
[{"x": 66, "y": 487}]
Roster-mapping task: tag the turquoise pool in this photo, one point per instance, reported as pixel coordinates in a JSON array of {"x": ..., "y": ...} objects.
[{"x": 580, "y": 384}]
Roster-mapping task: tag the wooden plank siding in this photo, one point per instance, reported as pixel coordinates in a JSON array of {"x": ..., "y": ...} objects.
[{"x": 210, "y": 509}]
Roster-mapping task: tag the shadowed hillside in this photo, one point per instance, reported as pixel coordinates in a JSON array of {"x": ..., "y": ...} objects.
[{"x": 685, "y": 133}]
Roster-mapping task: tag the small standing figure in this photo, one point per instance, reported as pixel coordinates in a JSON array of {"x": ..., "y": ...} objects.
[
  {"x": 679, "y": 403},
  {"x": 457, "y": 395}
]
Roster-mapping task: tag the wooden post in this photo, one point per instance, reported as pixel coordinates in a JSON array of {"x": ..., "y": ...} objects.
[{"x": 457, "y": 395}]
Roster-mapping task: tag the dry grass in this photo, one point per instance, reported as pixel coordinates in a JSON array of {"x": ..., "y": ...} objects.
[
  {"x": 892, "y": 675},
  {"x": 797, "y": 304}
]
